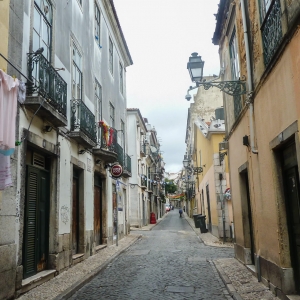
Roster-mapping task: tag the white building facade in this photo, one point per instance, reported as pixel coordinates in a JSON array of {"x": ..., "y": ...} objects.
[{"x": 71, "y": 129}]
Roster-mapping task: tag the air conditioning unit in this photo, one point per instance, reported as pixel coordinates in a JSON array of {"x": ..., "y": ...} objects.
[{"x": 223, "y": 146}]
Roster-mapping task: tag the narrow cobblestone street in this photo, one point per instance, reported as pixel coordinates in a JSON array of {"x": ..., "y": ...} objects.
[{"x": 169, "y": 262}]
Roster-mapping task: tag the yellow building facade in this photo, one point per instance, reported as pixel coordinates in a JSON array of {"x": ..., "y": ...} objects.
[
  {"x": 259, "y": 43},
  {"x": 213, "y": 181}
]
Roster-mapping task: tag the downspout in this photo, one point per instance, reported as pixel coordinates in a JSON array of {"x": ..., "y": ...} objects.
[{"x": 249, "y": 79}]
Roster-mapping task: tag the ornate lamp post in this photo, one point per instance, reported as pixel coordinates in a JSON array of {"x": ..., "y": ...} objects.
[{"x": 195, "y": 67}]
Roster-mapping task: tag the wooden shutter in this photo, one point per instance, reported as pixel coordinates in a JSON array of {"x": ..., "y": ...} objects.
[{"x": 30, "y": 223}]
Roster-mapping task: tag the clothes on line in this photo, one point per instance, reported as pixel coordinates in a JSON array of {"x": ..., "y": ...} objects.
[{"x": 8, "y": 111}]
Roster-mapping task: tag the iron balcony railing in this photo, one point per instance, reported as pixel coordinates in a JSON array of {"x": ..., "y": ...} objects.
[
  {"x": 143, "y": 180},
  {"x": 127, "y": 163},
  {"x": 107, "y": 141},
  {"x": 46, "y": 82},
  {"x": 123, "y": 159},
  {"x": 271, "y": 31},
  {"x": 120, "y": 154},
  {"x": 143, "y": 147},
  {"x": 82, "y": 119}
]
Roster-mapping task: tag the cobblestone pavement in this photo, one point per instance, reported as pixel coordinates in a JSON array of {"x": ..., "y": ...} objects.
[{"x": 169, "y": 262}]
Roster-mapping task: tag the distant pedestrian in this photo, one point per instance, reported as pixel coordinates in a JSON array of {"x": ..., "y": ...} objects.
[
  {"x": 184, "y": 208},
  {"x": 180, "y": 212}
]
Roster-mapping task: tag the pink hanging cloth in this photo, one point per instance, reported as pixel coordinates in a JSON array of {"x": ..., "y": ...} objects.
[{"x": 8, "y": 111}]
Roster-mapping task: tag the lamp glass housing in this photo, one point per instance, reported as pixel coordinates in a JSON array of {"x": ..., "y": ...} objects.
[
  {"x": 195, "y": 67},
  {"x": 185, "y": 162}
]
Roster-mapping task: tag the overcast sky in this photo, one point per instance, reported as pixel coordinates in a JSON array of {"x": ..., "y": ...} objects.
[{"x": 161, "y": 35}]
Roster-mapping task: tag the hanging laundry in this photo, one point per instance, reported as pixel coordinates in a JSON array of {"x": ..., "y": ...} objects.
[
  {"x": 8, "y": 111},
  {"x": 5, "y": 173},
  {"x": 21, "y": 92}
]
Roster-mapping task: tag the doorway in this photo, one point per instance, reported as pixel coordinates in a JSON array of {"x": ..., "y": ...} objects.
[
  {"x": 97, "y": 210},
  {"x": 208, "y": 209},
  {"x": 75, "y": 212},
  {"x": 292, "y": 199},
  {"x": 247, "y": 214},
  {"x": 36, "y": 224}
]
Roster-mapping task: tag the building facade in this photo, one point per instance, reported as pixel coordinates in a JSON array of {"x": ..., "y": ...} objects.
[
  {"x": 64, "y": 205},
  {"x": 259, "y": 44}
]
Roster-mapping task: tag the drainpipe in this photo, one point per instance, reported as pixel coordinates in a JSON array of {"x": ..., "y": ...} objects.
[{"x": 249, "y": 79}]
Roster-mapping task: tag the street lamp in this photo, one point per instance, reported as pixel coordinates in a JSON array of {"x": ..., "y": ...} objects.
[
  {"x": 195, "y": 67},
  {"x": 186, "y": 163}
]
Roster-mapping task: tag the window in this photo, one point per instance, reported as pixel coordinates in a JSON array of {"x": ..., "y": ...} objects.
[
  {"x": 265, "y": 5},
  {"x": 234, "y": 58},
  {"x": 112, "y": 115},
  {"x": 111, "y": 52},
  {"x": 235, "y": 71},
  {"x": 76, "y": 74},
  {"x": 98, "y": 105},
  {"x": 42, "y": 27},
  {"x": 97, "y": 24},
  {"x": 121, "y": 78},
  {"x": 123, "y": 134}
]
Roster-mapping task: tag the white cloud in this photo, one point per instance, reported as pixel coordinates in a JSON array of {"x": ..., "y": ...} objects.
[{"x": 161, "y": 35}]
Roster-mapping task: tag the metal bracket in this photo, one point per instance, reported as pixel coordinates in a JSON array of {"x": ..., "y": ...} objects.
[{"x": 232, "y": 88}]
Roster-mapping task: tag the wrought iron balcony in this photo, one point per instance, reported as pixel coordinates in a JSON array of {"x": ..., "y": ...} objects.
[
  {"x": 124, "y": 160},
  {"x": 127, "y": 165},
  {"x": 143, "y": 149},
  {"x": 48, "y": 93},
  {"x": 271, "y": 31},
  {"x": 83, "y": 126},
  {"x": 106, "y": 148},
  {"x": 143, "y": 181}
]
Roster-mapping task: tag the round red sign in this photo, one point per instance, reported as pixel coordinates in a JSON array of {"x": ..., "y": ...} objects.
[{"x": 116, "y": 171}]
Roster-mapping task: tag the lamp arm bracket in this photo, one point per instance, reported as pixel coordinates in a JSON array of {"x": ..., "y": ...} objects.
[{"x": 232, "y": 88}]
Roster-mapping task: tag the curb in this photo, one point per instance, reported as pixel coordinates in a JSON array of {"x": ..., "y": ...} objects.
[
  {"x": 227, "y": 282},
  {"x": 80, "y": 283}
]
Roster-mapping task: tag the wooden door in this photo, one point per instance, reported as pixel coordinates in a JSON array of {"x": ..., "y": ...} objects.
[
  {"x": 36, "y": 225},
  {"x": 97, "y": 216}
]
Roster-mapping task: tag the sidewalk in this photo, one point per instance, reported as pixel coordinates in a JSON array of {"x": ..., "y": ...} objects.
[
  {"x": 68, "y": 282},
  {"x": 238, "y": 279}
]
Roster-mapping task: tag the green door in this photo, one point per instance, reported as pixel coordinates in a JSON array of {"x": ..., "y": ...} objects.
[{"x": 36, "y": 225}]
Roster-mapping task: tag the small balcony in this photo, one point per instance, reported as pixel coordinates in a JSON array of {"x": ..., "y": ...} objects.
[
  {"x": 143, "y": 182},
  {"x": 106, "y": 145},
  {"x": 143, "y": 150},
  {"x": 271, "y": 30},
  {"x": 47, "y": 95},
  {"x": 83, "y": 126},
  {"x": 127, "y": 166},
  {"x": 124, "y": 160}
]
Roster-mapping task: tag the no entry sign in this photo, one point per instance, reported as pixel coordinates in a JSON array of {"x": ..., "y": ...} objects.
[{"x": 116, "y": 171}]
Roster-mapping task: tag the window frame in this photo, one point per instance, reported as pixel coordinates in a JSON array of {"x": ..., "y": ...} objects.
[
  {"x": 78, "y": 69},
  {"x": 234, "y": 56},
  {"x": 112, "y": 115},
  {"x": 121, "y": 78},
  {"x": 97, "y": 23},
  {"x": 111, "y": 56},
  {"x": 39, "y": 32},
  {"x": 98, "y": 107}
]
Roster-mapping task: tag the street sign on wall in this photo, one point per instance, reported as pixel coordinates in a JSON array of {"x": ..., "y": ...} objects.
[{"x": 116, "y": 170}]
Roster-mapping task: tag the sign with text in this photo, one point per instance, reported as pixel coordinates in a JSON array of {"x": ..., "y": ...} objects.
[{"x": 116, "y": 171}]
